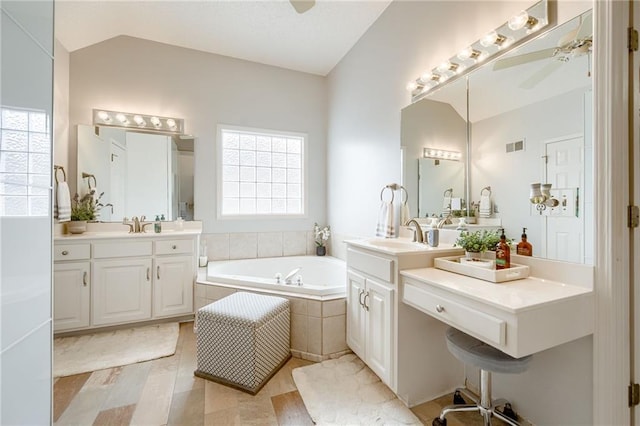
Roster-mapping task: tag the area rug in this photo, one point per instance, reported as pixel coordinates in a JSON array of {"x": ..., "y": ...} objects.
[
  {"x": 92, "y": 352},
  {"x": 345, "y": 391}
]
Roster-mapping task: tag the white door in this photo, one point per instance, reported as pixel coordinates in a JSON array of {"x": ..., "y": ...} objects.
[
  {"x": 635, "y": 185},
  {"x": 118, "y": 182},
  {"x": 173, "y": 286},
  {"x": 565, "y": 226},
  {"x": 356, "y": 315},
  {"x": 121, "y": 291},
  {"x": 379, "y": 307},
  {"x": 71, "y": 292}
]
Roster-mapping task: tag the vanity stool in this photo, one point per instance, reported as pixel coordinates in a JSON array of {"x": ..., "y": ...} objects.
[
  {"x": 472, "y": 351},
  {"x": 243, "y": 340}
]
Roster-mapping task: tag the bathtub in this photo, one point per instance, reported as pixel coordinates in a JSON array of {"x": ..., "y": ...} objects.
[{"x": 323, "y": 277}]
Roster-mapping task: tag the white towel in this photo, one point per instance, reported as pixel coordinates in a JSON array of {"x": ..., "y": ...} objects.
[
  {"x": 446, "y": 205},
  {"x": 404, "y": 213},
  {"x": 385, "y": 226},
  {"x": 63, "y": 199},
  {"x": 485, "y": 208}
]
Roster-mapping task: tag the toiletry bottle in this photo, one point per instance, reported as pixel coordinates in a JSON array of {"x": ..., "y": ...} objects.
[
  {"x": 157, "y": 227},
  {"x": 162, "y": 216},
  {"x": 524, "y": 247},
  {"x": 503, "y": 253}
]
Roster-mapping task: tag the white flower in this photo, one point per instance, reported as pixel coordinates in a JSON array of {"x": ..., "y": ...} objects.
[{"x": 322, "y": 235}]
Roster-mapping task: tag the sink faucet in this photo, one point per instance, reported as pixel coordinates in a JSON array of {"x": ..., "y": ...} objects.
[
  {"x": 444, "y": 221},
  {"x": 417, "y": 231},
  {"x": 137, "y": 225}
]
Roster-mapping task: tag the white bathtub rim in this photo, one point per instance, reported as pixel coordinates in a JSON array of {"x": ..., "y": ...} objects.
[{"x": 276, "y": 292}]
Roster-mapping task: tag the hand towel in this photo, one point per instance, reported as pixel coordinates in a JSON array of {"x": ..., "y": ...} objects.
[
  {"x": 485, "y": 208},
  {"x": 63, "y": 199},
  {"x": 385, "y": 226},
  {"x": 404, "y": 213},
  {"x": 446, "y": 205}
]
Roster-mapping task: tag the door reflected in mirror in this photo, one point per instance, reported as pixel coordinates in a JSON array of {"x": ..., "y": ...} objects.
[
  {"x": 141, "y": 174},
  {"x": 439, "y": 182}
]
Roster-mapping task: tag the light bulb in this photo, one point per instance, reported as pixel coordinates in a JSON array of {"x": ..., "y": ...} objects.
[
  {"x": 171, "y": 123},
  {"x": 444, "y": 67},
  {"x": 139, "y": 120},
  {"x": 411, "y": 86},
  {"x": 122, "y": 118},
  {"x": 426, "y": 77},
  {"x": 104, "y": 116},
  {"x": 155, "y": 121},
  {"x": 489, "y": 39},
  {"x": 518, "y": 21}
]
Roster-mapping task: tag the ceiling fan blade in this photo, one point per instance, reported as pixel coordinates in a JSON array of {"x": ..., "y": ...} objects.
[
  {"x": 523, "y": 59},
  {"x": 541, "y": 74},
  {"x": 586, "y": 27},
  {"x": 301, "y": 6}
]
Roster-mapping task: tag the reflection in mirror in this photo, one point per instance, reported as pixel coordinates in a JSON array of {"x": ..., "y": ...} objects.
[
  {"x": 430, "y": 123},
  {"x": 141, "y": 174},
  {"x": 530, "y": 113},
  {"x": 440, "y": 183}
]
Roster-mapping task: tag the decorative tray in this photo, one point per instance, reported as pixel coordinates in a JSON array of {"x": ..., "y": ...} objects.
[{"x": 459, "y": 265}]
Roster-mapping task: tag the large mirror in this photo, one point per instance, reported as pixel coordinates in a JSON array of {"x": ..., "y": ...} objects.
[
  {"x": 530, "y": 120},
  {"x": 140, "y": 174}
]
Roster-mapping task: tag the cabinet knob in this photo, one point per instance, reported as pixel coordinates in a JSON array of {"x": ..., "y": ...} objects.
[
  {"x": 65, "y": 252},
  {"x": 174, "y": 246},
  {"x": 439, "y": 308}
]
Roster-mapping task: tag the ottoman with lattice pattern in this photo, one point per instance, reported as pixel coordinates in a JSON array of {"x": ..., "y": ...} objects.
[{"x": 243, "y": 340}]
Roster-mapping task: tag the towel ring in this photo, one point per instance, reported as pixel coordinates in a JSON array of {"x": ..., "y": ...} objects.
[
  {"x": 406, "y": 195},
  {"x": 486, "y": 188},
  {"x": 449, "y": 190},
  {"x": 89, "y": 176},
  {"x": 382, "y": 192},
  {"x": 55, "y": 173}
]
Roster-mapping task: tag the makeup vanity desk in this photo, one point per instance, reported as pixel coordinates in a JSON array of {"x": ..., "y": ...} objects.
[{"x": 518, "y": 317}]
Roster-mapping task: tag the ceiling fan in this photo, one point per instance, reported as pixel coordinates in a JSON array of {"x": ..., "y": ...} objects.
[
  {"x": 301, "y": 6},
  {"x": 577, "y": 42}
]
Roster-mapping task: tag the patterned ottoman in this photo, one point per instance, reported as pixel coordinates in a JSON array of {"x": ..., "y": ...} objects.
[{"x": 243, "y": 340}]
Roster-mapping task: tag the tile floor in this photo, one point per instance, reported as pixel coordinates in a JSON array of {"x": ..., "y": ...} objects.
[{"x": 165, "y": 392}]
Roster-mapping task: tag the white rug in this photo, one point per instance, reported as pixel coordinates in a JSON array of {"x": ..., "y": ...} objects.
[
  {"x": 345, "y": 391},
  {"x": 92, "y": 352}
]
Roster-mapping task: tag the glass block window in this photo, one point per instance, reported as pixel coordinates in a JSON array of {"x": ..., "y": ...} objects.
[
  {"x": 262, "y": 172},
  {"x": 25, "y": 162}
]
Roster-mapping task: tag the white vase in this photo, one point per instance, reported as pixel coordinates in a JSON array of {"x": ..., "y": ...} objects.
[
  {"x": 77, "y": 226},
  {"x": 473, "y": 255}
]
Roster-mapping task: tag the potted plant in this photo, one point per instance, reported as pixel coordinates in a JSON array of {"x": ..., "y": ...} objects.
[
  {"x": 473, "y": 243},
  {"x": 321, "y": 236},
  {"x": 83, "y": 209}
]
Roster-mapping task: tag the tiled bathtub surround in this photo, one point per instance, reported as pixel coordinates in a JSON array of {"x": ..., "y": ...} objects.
[
  {"x": 249, "y": 245},
  {"x": 318, "y": 328}
]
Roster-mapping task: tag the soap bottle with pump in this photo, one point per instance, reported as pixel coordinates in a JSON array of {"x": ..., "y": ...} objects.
[
  {"x": 503, "y": 253},
  {"x": 524, "y": 248},
  {"x": 157, "y": 226}
]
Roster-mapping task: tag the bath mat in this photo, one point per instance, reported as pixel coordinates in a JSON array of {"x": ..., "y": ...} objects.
[
  {"x": 97, "y": 351},
  {"x": 345, "y": 391}
]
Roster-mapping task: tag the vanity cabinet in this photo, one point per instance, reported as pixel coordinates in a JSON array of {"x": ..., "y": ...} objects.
[
  {"x": 72, "y": 291},
  {"x": 370, "y": 322},
  {"x": 122, "y": 280}
]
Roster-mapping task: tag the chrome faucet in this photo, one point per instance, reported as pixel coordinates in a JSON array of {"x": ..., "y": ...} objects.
[
  {"x": 417, "y": 231},
  {"x": 290, "y": 275},
  {"x": 444, "y": 221}
]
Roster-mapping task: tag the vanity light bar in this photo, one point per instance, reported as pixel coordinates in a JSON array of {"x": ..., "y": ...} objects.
[
  {"x": 441, "y": 154},
  {"x": 518, "y": 29},
  {"x": 103, "y": 117}
]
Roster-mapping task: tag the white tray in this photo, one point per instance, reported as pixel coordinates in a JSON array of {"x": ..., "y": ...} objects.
[{"x": 452, "y": 264}]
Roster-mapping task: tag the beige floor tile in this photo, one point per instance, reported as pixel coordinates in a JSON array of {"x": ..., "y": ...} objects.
[{"x": 155, "y": 401}]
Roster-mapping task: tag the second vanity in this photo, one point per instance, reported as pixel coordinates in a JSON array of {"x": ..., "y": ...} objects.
[
  {"x": 113, "y": 278},
  {"x": 405, "y": 329}
]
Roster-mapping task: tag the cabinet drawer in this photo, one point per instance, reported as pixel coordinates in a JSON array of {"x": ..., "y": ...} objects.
[
  {"x": 376, "y": 266},
  {"x": 121, "y": 249},
  {"x": 486, "y": 327},
  {"x": 174, "y": 246},
  {"x": 71, "y": 251}
]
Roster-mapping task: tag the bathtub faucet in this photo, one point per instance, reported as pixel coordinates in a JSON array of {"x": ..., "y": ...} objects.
[{"x": 288, "y": 278}]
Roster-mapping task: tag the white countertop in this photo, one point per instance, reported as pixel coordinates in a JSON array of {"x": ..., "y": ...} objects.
[
  {"x": 397, "y": 246},
  {"x": 118, "y": 234},
  {"x": 512, "y": 296}
]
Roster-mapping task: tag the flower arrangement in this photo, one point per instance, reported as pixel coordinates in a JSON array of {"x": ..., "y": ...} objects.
[
  {"x": 321, "y": 234},
  {"x": 86, "y": 207},
  {"x": 478, "y": 241}
]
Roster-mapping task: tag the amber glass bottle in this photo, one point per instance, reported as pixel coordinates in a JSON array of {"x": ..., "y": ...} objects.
[
  {"x": 503, "y": 253},
  {"x": 524, "y": 247}
]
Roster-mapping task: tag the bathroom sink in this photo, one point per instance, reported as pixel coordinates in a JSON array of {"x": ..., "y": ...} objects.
[{"x": 395, "y": 244}]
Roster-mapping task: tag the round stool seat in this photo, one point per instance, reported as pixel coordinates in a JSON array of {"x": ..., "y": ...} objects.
[{"x": 475, "y": 352}]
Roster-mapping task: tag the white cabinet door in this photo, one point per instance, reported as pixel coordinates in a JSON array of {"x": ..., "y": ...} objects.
[
  {"x": 379, "y": 307},
  {"x": 71, "y": 295},
  {"x": 173, "y": 286},
  {"x": 356, "y": 315},
  {"x": 121, "y": 291}
]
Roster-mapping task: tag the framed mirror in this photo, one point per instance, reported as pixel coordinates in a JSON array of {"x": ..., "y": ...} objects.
[
  {"x": 140, "y": 174},
  {"x": 529, "y": 120}
]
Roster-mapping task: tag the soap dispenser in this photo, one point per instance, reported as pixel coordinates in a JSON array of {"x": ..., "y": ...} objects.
[
  {"x": 524, "y": 248},
  {"x": 503, "y": 253},
  {"x": 157, "y": 226}
]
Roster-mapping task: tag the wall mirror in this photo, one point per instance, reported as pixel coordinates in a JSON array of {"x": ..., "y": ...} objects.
[
  {"x": 141, "y": 174},
  {"x": 530, "y": 120}
]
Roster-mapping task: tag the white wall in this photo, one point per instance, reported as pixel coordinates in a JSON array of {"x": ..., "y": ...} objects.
[
  {"x": 135, "y": 75},
  {"x": 366, "y": 94},
  {"x": 25, "y": 248}
]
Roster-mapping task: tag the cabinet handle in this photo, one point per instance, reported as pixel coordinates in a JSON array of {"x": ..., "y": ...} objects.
[
  {"x": 84, "y": 278},
  {"x": 158, "y": 272},
  {"x": 365, "y": 301},
  {"x": 65, "y": 252},
  {"x": 148, "y": 272},
  {"x": 360, "y": 298},
  {"x": 174, "y": 246},
  {"x": 439, "y": 308}
]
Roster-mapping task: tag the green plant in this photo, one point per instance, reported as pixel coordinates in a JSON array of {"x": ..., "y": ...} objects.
[
  {"x": 492, "y": 238},
  {"x": 85, "y": 207},
  {"x": 471, "y": 241}
]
